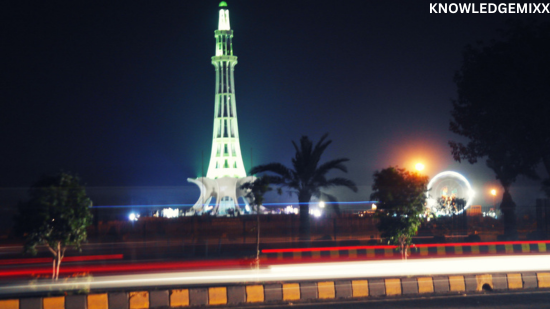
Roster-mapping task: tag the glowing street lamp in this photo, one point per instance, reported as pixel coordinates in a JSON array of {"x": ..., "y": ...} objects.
[
  {"x": 322, "y": 204},
  {"x": 133, "y": 217},
  {"x": 494, "y": 194},
  {"x": 419, "y": 167}
]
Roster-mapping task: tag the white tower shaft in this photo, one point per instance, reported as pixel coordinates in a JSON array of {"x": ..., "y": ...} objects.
[{"x": 225, "y": 159}]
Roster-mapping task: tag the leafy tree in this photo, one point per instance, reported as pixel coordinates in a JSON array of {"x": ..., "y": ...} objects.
[
  {"x": 256, "y": 190},
  {"x": 503, "y": 108},
  {"x": 56, "y": 216},
  {"x": 308, "y": 177},
  {"x": 401, "y": 197}
]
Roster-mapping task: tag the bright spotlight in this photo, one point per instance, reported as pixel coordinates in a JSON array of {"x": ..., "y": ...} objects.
[
  {"x": 170, "y": 213},
  {"x": 419, "y": 167},
  {"x": 322, "y": 204}
]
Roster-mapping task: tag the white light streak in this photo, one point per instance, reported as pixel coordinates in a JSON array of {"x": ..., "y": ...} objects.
[{"x": 308, "y": 271}]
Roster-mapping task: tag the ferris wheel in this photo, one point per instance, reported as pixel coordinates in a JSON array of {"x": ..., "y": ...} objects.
[{"x": 445, "y": 188}]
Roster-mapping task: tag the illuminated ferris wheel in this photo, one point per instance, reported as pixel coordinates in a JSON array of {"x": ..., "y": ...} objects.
[{"x": 446, "y": 188}]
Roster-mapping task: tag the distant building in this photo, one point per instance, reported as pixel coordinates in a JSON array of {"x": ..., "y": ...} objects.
[{"x": 474, "y": 210}]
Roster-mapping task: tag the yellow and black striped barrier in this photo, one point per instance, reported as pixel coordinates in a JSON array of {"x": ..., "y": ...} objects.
[
  {"x": 421, "y": 250},
  {"x": 286, "y": 292}
]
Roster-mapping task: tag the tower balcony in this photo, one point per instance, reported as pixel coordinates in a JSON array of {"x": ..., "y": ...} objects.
[
  {"x": 228, "y": 58},
  {"x": 223, "y": 32}
]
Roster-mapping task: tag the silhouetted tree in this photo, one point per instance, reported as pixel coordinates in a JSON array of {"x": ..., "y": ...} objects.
[
  {"x": 56, "y": 216},
  {"x": 401, "y": 197},
  {"x": 503, "y": 106},
  {"x": 255, "y": 194},
  {"x": 308, "y": 177}
]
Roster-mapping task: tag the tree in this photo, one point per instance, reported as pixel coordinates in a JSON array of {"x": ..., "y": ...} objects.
[
  {"x": 56, "y": 216},
  {"x": 308, "y": 177},
  {"x": 503, "y": 108},
  {"x": 401, "y": 197},
  {"x": 256, "y": 190}
]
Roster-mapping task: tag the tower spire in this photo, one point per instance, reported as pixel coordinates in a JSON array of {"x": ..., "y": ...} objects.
[
  {"x": 225, "y": 158},
  {"x": 223, "y": 21}
]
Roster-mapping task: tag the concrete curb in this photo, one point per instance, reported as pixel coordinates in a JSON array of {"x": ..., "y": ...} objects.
[{"x": 286, "y": 292}]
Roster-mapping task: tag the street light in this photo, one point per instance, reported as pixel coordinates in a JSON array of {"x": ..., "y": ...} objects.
[
  {"x": 419, "y": 167},
  {"x": 494, "y": 194}
]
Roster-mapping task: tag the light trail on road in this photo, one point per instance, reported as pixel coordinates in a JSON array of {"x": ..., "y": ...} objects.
[{"x": 296, "y": 272}]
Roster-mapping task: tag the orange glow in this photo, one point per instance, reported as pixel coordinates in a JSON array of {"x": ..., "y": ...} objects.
[
  {"x": 493, "y": 192},
  {"x": 419, "y": 167},
  {"x": 406, "y": 152}
]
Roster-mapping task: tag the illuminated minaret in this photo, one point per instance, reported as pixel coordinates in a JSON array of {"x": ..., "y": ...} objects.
[
  {"x": 225, "y": 159},
  {"x": 226, "y": 173}
]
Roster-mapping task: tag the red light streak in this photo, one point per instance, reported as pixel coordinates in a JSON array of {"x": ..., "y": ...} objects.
[
  {"x": 126, "y": 267},
  {"x": 493, "y": 243}
]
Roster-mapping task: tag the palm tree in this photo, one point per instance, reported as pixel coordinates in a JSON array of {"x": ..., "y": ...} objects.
[{"x": 308, "y": 177}]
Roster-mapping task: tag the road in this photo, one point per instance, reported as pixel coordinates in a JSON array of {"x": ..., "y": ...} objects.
[{"x": 517, "y": 300}]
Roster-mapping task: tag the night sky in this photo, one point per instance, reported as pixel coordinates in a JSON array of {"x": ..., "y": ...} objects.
[{"x": 122, "y": 92}]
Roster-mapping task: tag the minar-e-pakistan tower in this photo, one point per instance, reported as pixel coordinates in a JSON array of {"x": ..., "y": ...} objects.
[{"x": 226, "y": 171}]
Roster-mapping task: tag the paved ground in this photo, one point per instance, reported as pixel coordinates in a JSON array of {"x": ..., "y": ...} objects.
[{"x": 516, "y": 300}]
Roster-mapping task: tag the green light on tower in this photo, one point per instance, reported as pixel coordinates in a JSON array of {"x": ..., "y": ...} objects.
[
  {"x": 226, "y": 158},
  {"x": 223, "y": 23}
]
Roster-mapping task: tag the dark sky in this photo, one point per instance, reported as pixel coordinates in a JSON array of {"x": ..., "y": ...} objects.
[{"x": 122, "y": 92}]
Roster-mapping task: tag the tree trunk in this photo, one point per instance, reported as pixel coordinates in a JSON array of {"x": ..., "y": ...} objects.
[
  {"x": 303, "y": 199},
  {"x": 508, "y": 208},
  {"x": 58, "y": 254},
  {"x": 53, "y": 268},
  {"x": 55, "y": 254},
  {"x": 258, "y": 238},
  {"x": 404, "y": 248},
  {"x": 57, "y": 260},
  {"x": 57, "y": 269}
]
